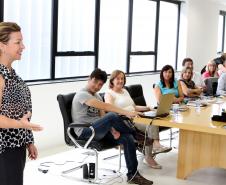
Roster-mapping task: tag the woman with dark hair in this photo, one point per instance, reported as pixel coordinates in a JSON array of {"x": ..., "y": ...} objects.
[{"x": 168, "y": 84}]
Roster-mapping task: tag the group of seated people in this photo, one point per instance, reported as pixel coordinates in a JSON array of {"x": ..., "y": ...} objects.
[
  {"x": 183, "y": 87},
  {"x": 192, "y": 83},
  {"x": 108, "y": 125},
  {"x": 216, "y": 68},
  {"x": 108, "y": 122}
]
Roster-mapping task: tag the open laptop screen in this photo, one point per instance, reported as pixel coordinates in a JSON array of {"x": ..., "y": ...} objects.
[{"x": 163, "y": 109}]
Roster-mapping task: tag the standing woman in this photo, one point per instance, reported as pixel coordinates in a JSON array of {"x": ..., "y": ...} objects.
[{"x": 15, "y": 109}]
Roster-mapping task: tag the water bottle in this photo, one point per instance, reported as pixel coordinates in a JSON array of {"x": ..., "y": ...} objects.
[
  {"x": 197, "y": 106},
  {"x": 175, "y": 108}
]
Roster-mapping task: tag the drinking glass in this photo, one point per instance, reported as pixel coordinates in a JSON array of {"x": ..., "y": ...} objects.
[
  {"x": 175, "y": 108},
  {"x": 197, "y": 106}
]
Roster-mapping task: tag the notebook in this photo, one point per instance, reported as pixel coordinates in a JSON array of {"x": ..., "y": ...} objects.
[{"x": 163, "y": 108}]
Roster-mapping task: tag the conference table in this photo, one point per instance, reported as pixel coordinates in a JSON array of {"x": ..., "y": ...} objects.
[{"x": 202, "y": 142}]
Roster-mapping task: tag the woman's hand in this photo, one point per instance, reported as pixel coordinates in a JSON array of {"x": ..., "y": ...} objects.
[
  {"x": 149, "y": 108},
  {"x": 134, "y": 114},
  {"x": 178, "y": 100},
  {"x": 26, "y": 124},
  {"x": 32, "y": 151}
]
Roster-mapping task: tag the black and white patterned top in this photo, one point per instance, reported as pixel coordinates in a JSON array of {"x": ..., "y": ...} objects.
[{"x": 16, "y": 101}]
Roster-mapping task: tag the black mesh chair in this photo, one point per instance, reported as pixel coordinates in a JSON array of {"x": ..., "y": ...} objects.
[
  {"x": 136, "y": 92},
  {"x": 90, "y": 146}
]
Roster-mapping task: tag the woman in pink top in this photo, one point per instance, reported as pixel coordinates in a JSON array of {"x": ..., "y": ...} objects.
[{"x": 211, "y": 70}]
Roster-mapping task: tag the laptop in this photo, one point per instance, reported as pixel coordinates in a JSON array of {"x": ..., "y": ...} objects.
[{"x": 163, "y": 108}]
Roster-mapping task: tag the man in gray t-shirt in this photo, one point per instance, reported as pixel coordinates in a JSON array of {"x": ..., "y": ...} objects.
[
  {"x": 82, "y": 113},
  {"x": 88, "y": 107}
]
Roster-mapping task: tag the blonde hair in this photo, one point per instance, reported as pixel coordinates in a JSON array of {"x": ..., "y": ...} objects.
[
  {"x": 211, "y": 63},
  {"x": 6, "y": 28},
  {"x": 114, "y": 74},
  {"x": 184, "y": 71}
]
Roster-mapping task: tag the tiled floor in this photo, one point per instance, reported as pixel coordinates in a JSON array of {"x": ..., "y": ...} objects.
[{"x": 66, "y": 158}]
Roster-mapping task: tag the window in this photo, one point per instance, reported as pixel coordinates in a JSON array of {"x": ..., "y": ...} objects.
[
  {"x": 68, "y": 39},
  {"x": 78, "y": 36},
  {"x": 73, "y": 66},
  {"x": 168, "y": 31},
  {"x": 75, "y": 38},
  {"x": 143, "y": 25},
  {"x": 113, "y": 35},
  {"x": 221, "y": 47},
  {"x": 154, "y": 35},
  {"x": 34, "y": 18},
  {"x": 143, "y": 36}
]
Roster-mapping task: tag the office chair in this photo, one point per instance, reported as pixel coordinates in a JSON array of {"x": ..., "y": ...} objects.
[
  {"x": 136, "y": 92},
  {"x": 211, "y": 86},
  {"x": 90, "y": 146}
]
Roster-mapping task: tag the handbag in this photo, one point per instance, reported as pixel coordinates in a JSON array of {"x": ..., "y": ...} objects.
[
  {"x": 140, "y": 136},
  {"x": 129, "y": 123}
]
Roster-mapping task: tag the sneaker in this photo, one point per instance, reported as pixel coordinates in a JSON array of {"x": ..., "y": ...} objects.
[{"x": 138, "y": 179}]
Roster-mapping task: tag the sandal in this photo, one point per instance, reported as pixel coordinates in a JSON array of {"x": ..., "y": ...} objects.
[
  {"x": 163, "y": 149},
  {"x": 154, "y": 166}
]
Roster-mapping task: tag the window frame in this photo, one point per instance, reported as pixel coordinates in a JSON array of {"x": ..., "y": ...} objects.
[
  {"x": 54, "y": 36},
  {"x": 223, "y": 13},
  {"x": 54, "y": 41},
  {"x": 1, "y": 10},
  {"x": 155, "y": 52}
]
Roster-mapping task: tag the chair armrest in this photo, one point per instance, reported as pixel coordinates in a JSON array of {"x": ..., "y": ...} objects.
[{"x": 73, "y": 125}]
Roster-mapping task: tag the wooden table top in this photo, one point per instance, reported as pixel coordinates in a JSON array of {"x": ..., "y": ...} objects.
[{"x": 192, "y": 120}]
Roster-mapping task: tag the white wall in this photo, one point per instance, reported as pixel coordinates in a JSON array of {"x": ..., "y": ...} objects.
[
  {"x": 202, "y": 30},
  {"x": 200, "y": 40}
]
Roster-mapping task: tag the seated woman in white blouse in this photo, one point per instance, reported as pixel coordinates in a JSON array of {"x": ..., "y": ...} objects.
[{"x": 120, "y": 97}]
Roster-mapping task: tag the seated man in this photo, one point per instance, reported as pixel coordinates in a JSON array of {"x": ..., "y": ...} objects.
[
  {"x": 221, "y": 87},
  {"x": 88, "y": 107},
  {"x": 222, "y": 68}
]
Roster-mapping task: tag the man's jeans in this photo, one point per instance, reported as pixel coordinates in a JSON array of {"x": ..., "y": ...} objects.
[{"x": 102, "y": 128}]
